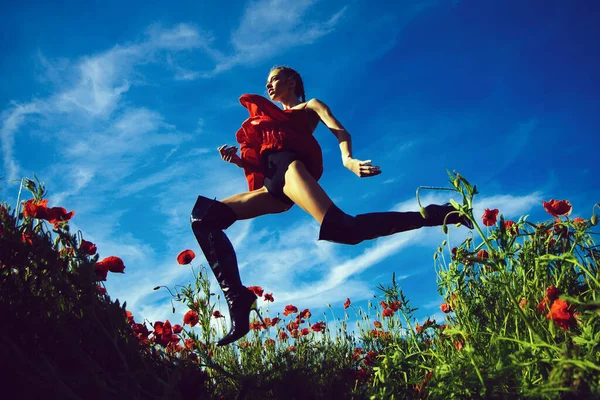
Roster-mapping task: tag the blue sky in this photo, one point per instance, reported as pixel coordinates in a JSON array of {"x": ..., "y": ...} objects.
[{"x": 118, "y": 107}]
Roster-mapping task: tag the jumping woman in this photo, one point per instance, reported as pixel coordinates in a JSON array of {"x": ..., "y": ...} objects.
[{"x": 282, "y": 162}]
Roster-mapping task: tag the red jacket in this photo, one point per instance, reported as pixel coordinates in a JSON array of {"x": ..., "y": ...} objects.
[{"x": 271, "y": 128}]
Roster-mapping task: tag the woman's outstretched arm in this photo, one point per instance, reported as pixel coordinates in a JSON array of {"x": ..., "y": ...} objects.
[{"x": 361, "y": 168}]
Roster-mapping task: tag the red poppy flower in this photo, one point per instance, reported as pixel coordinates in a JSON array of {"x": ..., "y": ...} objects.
[
  {"x": 167, "y": 330},
  {"x": 419, "y": 328},
  {"x": 244, "y": 344},
  {"x": 511, "y": 227},
  {"x": 185, "y": 257},
  {"x": 56, "y": 215},
  {"x": 27, "y": 237},
  {"x": 377, "y": 324},
  {"x": 483, "y": 254},
  {"x": 269, "y": 297},
  {"x": 347, "y": 304},
  {"x": 580, "y": 222},
  {"x": 190, "y": 344},
  {"x": 112, "y": 264},
  {"x": 562, "y": 314},
  {"x": 191, "y": 318},
  {"x": 283, "y": 336},
  {"x": 541, "y": 307},
  {"x": 552, "y": 293},
  {"x": 217, "y": 314},
  {"x": 257, "y": 290},
  {"x": 140, "y": 331},
  {"x": 387, "y": 313},
  {"x": 269, "y": 342},
  {"x": 177, "y": 329},
  {"x": 101, "y": 271},
  {"x": 459, "y": 344},
  {"x": 558, "y": 208},
  {"x": 33, "y": 208},
  {"x": 305, "y": 331},
  {"x": 523, "y": 303},
  {"x": 295, "y": 334},
  {"x": 101, "y": 290},
  {"x": 292, "y": 325},
  {"x": 384, "y": 305},
  {"x": 292, "y": 348},
  {"x": 394, "y": 306},
  {"x": 304, "y": 314},
  {"x": 445, "y": 308},
  {"x": 290, "y": 309},
  {"x": 129, "y": 316},
  {"x": 274, "y": 321},
  {"x": 489, "y": 217},
  {"x": 88, "y": 248},
  {"x": 256, "y": 325},
  {"x": 318, "y": 327},
  {"x": 357, "y": 352}
]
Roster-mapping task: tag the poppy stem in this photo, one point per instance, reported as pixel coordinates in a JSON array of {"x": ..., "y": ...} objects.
[{"x": 19, "y": 200}]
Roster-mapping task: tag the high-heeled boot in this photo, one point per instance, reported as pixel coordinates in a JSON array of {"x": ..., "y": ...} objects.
[
  {"x": 339, "y": 227},
  {"x": 209, "y": 218}
]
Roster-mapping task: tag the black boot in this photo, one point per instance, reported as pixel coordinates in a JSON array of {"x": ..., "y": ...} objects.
[
  {"x": 340, "y": 227},
  {"x": 209, "y": 218}
]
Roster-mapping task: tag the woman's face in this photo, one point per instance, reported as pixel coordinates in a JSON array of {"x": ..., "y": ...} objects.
[{"x": 279, "y": 85}]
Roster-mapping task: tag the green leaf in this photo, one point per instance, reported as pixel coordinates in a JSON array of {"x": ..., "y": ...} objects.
[{"x": 455, "y": 204}]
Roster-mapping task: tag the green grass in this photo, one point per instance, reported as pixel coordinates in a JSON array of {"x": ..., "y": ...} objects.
[{"x": 522, "y": 321}]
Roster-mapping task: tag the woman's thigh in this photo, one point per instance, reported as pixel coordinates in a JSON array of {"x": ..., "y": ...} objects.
[
  {"x": 303, "y": 189},
  {"x": 255, "y": 203}
]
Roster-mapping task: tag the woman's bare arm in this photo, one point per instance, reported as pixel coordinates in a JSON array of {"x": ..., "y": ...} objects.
[{"x": 359, "y": 167}]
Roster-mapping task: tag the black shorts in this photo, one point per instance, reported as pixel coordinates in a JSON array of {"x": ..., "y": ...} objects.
[{"x": 276, "y": 164}]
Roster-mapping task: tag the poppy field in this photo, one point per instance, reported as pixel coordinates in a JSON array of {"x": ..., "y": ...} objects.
[{"x": 521, "y": 301}]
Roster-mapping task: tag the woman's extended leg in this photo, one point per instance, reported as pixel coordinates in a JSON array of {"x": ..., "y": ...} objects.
[
  {"x": 209, "y": 219},
  {"x": 339, "y": 227}
]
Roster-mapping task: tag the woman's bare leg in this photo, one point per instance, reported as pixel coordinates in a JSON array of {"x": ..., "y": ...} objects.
[
  {"x": 304, "y": 190},
  {"x": 339, "y": 227},
  {"x": 255, "y": 203}
]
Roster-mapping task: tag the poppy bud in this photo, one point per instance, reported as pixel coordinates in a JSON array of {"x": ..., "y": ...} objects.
[
  {"x": 423, "y": 212},
  {"x": 156, "y": 288},
  {"x": 445, "y": 229},
  {"x": 594, "y": 220}
]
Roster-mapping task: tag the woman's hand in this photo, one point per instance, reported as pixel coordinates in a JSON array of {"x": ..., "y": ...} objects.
[
  {"x": 229, "y": 154},
  {"x": 363, "y": 169}
]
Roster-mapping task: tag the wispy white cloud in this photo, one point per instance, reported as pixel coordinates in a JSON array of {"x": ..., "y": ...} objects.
[
  {"x": 268, "y": 26},
  {"x": 94, "y": 92},
  {"x": 12, "y": 119}
]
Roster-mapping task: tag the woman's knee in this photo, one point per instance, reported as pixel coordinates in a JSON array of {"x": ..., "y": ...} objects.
[{"x": 296, "y": 167}]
